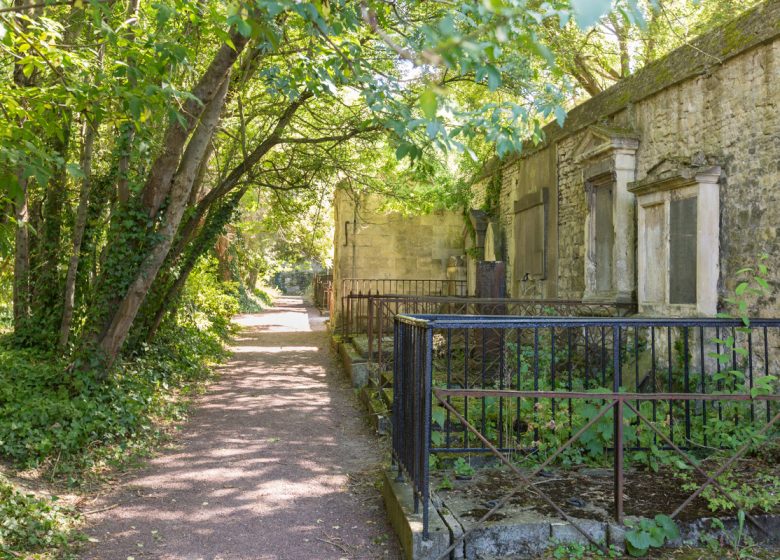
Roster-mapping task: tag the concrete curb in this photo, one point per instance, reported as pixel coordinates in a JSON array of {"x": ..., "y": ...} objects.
[{"x": 399, "y": 503}]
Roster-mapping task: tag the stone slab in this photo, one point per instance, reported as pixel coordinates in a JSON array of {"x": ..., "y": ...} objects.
[
  {"x": 454, "y": 526},
  {"x": 360, "y": 342},
  {"x": 399, "y": 503},
  {"x": 354, "y": 364},
  {"x": 565, "y": 532}
]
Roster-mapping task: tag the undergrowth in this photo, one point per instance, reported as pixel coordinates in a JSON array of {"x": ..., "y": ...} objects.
[
  {"x": 31, "y": 523},
  {"x": 253, "y": 300},
  {"x": 68, "y": 427}
]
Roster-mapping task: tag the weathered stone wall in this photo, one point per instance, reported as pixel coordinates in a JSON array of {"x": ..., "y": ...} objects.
[
  {"x": 716, "y": 103},
  {"x": 728, "y": 117},
  {"x": 731, "y": 117},
  {"x": 572, "y": 209},
  {"x": 526, "y": 177},
  {"x": 372, "y": 244}
]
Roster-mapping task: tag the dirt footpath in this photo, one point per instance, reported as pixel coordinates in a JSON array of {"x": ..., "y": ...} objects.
[{"x": 274, "y": 464}]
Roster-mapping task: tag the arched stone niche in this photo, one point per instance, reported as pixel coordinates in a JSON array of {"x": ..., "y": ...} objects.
[{"x": 607, "y": 157}]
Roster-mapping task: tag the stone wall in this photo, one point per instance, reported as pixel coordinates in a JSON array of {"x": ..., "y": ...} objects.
[
  {"x": 370, "y": 243},
  {"x": 715, "y": 103}
]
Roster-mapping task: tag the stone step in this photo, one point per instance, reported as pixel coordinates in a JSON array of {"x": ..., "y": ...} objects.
[{"x": 360, "y": 342}]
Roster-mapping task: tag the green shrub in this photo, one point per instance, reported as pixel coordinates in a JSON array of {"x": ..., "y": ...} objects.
[
  {"x": 29, "y": 523},
  {"x": 253, "y": 301},
  {"x": 70, "y": 421}
]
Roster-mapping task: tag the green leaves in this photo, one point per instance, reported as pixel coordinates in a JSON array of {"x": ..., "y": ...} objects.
[
  {"x": 438, "y": 416},
  {"x": 764, "y": 385},
  {"x": 650, "y": 533},
  {"x": 429, "y": 103},
  {"x": 28, "y": 523}
]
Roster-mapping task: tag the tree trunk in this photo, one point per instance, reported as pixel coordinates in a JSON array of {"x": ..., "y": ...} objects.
[
  {"x": 121, "y": 320},
  {"x": 157, "y": 293},
  {"x": 237, "y": 173},
  {"x": 221, "y": 248},
  {"x": 21, "y": 295},
  {"x": 215, "y": 222},
  {"x": 78, "y": 232},
  {"x": 127, "y": 132},
  {"x": 159, "y": 183},
  {"x": 46, "y": 280},
  {"x": 21, "y": 258}
]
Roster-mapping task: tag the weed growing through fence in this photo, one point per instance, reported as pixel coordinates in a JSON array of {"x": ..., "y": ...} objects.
[
  {"x": 644, "y": 534},
  {"x": 541, "y": 359}
]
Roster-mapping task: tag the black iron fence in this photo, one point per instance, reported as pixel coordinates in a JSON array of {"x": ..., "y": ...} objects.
[
  {"x": 556, "y": 388},
  {"x": 382, "y": 310},
  {"x": 356, "y": 291}
]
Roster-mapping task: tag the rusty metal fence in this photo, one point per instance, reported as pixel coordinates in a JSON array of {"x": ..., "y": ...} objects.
[
  {"x": 546, "y": 386},
  {"x": 355, "y": 293},
  {"x": 382, "y": 310}
]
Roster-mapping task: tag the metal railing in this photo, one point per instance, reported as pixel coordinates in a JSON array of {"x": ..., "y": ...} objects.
[
  {"x": 544, "y": 386},
  {"x": 356, "y": 291},
  {"x": 322, "y": 288},
  {"x": 382, "y": 310}
]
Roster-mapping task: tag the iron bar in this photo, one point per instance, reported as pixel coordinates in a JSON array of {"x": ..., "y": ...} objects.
[
  {"x": 698, "y": 469},
  {"x": 417, "y": 366},
  {"x": 517, "y": 472}
]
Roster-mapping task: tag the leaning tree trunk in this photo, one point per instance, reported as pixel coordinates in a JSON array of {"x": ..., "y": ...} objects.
[
  {"x": 218, "y": 217},
  {"x": 113, "y": 307},
  {"x": 235, "y": 176},
  {"x": 166, "y": 276},
  {"x": 122, "y": 318}
]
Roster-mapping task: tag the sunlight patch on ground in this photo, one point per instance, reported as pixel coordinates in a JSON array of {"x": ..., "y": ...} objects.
[
  {"x": 272, "y": 349},
  {"x": 290, "y": 317}
]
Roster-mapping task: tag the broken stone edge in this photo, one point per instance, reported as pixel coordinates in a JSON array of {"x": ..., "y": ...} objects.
[{"x": 527, "y": 538}]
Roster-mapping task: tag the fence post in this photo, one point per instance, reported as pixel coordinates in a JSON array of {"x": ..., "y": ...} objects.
[
  {"x": 618, "y": 424},
  {"x": 370, "y": 313},
  {"x": 381, "y": 327},
  {"x": 398, "y": 393},
  {"x": 427, "y": 383},
  {"x": 619, "y": 461}
]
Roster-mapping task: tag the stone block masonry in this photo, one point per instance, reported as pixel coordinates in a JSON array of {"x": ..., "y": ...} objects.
[{"x": 712, "y": 103}]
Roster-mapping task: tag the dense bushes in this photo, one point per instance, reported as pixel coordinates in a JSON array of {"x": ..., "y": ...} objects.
[
  {"x": 49, "y": 414},
  {"x": 68, "y": 424}
]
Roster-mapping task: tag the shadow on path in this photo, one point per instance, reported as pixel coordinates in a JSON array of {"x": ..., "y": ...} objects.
[{"x": 275, "y": 462}]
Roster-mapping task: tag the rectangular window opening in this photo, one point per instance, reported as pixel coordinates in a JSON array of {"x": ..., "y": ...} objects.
[{"x": 682, "y": 251}]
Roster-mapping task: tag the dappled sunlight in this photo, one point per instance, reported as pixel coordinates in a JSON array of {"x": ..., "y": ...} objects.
[
  {"x": 289, "y": 315},
  {"x": 273, "y": 349},
  {"x": 267, "y": 453}
]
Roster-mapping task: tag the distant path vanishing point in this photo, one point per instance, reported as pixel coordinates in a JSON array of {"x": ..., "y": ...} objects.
[{"x": 275, "y": 462}]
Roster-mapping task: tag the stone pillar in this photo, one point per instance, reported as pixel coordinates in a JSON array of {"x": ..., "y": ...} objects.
[
  {"x": 624, "y": 212},
  {"x": 708, "y": 242}
]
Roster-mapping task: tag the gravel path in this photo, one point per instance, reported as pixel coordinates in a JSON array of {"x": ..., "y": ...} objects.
[{"x": 274, "y": 464}]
